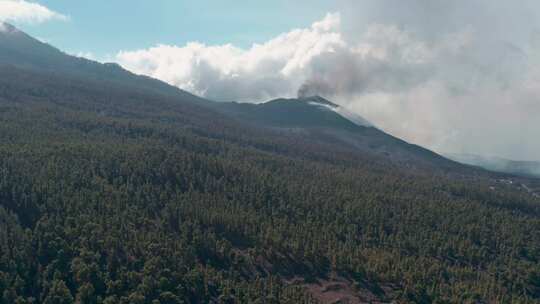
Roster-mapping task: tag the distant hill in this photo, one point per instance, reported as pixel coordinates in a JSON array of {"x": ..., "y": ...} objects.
[
  {"x": 496, "y": 164},
  {"x": 323, "y": 120},
  {"x": 317, "y": 117},
  {"x": 293, "y": 113}
]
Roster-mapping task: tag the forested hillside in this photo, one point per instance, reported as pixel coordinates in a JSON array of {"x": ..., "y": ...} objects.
[{"x": 112, "y": 193}]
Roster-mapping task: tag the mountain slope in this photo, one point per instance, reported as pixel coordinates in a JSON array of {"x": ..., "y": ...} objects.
[
  {"x": 324, "y": 120},
  {"x": 318, "y": 118},
  {"x": 291, "y": 113},
  {"x": 113, "y": 193},
  {"x": 17, "y": 49}
]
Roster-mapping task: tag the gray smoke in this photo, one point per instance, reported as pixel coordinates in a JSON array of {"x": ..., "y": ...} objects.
[
  {"x": 460, "y": 76},
  {"x": 316, "y": 87}
]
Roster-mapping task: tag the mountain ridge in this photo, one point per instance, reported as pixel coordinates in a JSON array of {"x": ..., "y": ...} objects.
[
  {"x": 314, "y": 116},
  {"x": 23, "y": 51},
  {"x": 309, "y": 113}
]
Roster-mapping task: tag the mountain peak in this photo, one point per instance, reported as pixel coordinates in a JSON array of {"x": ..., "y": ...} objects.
[
  {"x": 318, "y": 99},
  {"x": 14, "y": 38},
  {"x": 6, "y": 28},
  {"x": 341, "y": 110}
]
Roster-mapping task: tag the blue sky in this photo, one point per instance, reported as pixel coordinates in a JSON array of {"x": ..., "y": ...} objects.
[{"x": 104, "y": 27}]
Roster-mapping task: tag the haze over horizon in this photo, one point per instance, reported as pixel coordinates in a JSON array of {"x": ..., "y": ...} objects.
[{"x": 454, "y": 77}]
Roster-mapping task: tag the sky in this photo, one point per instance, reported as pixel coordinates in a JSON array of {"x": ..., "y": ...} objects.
[
  {"x": 458, "y": 76},
  {"x": 103, "y": 27}
]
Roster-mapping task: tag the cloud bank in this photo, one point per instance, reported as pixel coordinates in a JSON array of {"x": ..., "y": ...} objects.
[
  {"x": 454, "y": 76},
  {"x": 27, "y": 12},
  {"x": 226, "y": 72}
]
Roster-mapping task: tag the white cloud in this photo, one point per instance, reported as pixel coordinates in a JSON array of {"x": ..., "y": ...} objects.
[
  {"x": 228, "y": 72},
  {"x": 469, "y": 86},
  {"x": 85, "y": 55},
  {"x": 28, "y": 12},
  {"x": 317, "y": 57}
]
